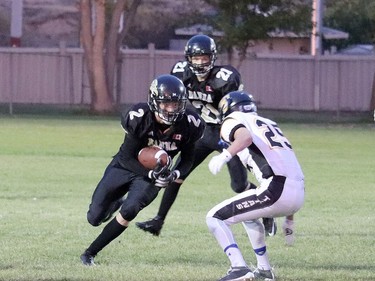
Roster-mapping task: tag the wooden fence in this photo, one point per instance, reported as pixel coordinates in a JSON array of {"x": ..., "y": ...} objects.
[{"x": 58, "y": 77}]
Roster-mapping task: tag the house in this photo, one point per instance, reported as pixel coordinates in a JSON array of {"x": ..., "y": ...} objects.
[
  {"x": 279, "y": 42},
  {"x": 358, "y": 50},
  {"x": 184, "y": 34}
]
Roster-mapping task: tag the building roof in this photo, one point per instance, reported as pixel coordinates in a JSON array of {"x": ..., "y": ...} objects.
[
  {"x": 358, "y": 50},
  {"x": 197, "y": 29},
  {"x": 328, "y": 33}
]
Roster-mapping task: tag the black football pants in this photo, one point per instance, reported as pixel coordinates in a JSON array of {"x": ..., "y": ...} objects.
[{"x": 117, "y": 182}]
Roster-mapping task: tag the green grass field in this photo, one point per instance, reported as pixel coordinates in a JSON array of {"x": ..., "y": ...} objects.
[{"x": 49, "y": 168}]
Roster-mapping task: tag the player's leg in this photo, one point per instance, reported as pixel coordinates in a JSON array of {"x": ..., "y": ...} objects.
[
  {"x": 239, "y": 270},
  {"x": 110, "y": 232},
  {"x": 236, "y": 210},
  {"x": 107, "y": 194},
  {"x": 255, "y": 232},
  {"x": 219, "y": 219},
  {"x": 109, "y": 190},
  {"x": 238, "y": 175},
  {"x": 141, "y": 194},
  {"x": 239, "y": 183},
  {"x": 155, "y": 224}
]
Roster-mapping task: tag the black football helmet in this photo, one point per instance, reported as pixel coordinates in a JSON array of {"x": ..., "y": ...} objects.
[
  {"x": 201, "y": 45},
  {"x": 167, "y": 89},
  {"x": 236, "y": 101}
]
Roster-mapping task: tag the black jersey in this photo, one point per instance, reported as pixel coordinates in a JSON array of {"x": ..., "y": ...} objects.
[
  {"x": 206, "y": 95},
  {"x": 143, "y": 130}
]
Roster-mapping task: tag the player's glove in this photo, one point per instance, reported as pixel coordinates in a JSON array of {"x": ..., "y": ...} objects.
[
  {"x": 173, "y": 175},
  {"x": 217, "y": 162},
  {"x": 166, "y": 178},
  {"x": 169, "y": 162},
  {"x": 158, "y": 171}
]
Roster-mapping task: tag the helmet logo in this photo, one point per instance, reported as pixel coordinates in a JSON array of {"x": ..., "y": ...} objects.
[{"x": 154, "y": 87}]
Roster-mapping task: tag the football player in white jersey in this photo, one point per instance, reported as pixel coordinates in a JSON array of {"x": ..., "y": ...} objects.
[{"x": 265, "y": 151}]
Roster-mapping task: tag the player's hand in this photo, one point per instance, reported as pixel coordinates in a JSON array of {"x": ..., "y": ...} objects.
[
  {"x": 169, "y": 162},
  {"x": 217, "y": 162},
  {"x": 161, "y": 182},
  {"x": 173, "y": 175},
  {"x": 166, "y": 178},
  {"x": 158, "y": 171}
]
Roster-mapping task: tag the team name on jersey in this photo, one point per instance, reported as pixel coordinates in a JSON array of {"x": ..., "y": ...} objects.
[
  {"x": 195, "y": 95},
  {"x": 166, "y": 145},
  {"x": 249, "y": 203}
]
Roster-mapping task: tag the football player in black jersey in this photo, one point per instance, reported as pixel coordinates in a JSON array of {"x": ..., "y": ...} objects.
[
  {"x": 206, "y": 84},
  {"x": 163, "y": 121}
]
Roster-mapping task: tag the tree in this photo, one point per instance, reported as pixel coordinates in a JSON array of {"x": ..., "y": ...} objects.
[
  {"x": 101, "y": 44},
  {"x": 246, "y": 20},
  {"x": 357, "y": 17},
  {"x": 4, "y": 30}
]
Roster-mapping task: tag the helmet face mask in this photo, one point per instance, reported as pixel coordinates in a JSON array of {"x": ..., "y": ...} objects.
[
  {"x": 167, "y": 98},
  {"x": 200, "y": 68},
  {"x": 170, "y": 111},
  {"x": 236, "y": 101},
  {"x": 201, "y": 45}
]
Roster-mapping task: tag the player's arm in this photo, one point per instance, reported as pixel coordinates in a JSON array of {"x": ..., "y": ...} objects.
[
  {"x": 239, "y": 138},
  {"x": 187, "y": 160},
  {"x": 196, "y": 131},
  {"x": 131, "y": 122},
  {"x": 129, "y": 155}
]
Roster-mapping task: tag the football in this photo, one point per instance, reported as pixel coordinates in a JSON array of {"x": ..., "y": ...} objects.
[{"x": 148, "y": 156}]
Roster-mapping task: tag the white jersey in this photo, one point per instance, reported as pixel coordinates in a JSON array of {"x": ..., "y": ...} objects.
[{"x": 271, "y": 152}]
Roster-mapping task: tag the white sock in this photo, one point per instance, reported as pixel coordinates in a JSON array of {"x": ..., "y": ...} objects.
[
  {"x": 234, "y": 255},
  {"x": 255, "y": 232},
  {"x": 224, "y": 237}
]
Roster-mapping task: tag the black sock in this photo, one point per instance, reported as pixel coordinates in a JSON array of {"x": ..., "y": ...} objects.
[
  {"x": 168, "y": 199},
  {"x": 110, "y": 232}
]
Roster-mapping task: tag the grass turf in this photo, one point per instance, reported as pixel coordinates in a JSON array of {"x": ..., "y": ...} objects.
[{"x": 50, "y": 166}]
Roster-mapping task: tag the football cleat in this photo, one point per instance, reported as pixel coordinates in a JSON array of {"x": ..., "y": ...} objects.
[
  {"x": 266, "y": 275},
  {"x": 153, "y": 226},
  {"x": 288, "y": 233},
  {"x": 112, "y": 209},
  {"x": 87, "y": 259},
  {"x": 241, "y": 273},
  {"x": 270, "y": 226}
]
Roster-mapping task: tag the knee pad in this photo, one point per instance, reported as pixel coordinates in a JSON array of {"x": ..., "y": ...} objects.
[
  {"x": 130, "y": 211},
  {"x": 212, "y": 223},
  {"x": 94, "y": 221}
]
